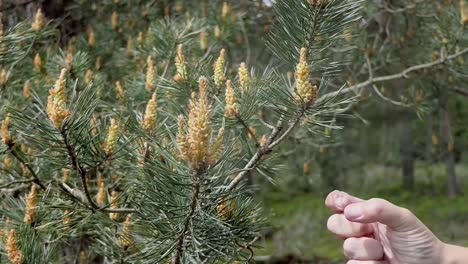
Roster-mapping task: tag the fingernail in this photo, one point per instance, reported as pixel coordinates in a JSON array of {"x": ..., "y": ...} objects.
[
  {"x": 353, "y": 212},
  {"x": 340, "y": 202}
]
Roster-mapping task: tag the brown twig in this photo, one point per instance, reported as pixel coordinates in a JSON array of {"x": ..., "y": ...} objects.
[
  {"x": 272, "y": 141},
  {"x": 78, "y": 167},
  {"x": 6, "y": 185},
  {"x": 36, "y": 179},
  {"x": 401, "y": 75},
  {"x": 249, "y": 131},
  {"x": 181, "y": 240}
]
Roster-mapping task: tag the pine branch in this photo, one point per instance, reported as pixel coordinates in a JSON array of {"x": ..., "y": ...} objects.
[
  {"x": 36, "y": 179},
  {"x": 401, "y": 75},
  {"x": 249, "y": 131},
  {"x": 272, "y": 141},
  {"x": 6, "y": 185},
  {"x": 78, "y": 167},
  {"x": 188, "y": 220}
]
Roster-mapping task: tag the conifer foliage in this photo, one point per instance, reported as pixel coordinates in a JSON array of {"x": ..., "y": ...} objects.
[{"x": 131, "y": 141}]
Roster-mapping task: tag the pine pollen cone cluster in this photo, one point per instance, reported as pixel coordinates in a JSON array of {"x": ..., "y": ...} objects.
[
  {"x": 57, "y": 101},
  {"x": 194, "y": 139},
  {"x": 112, "y": 138},
  {"x": 232, "y": 107},
  {"x": 31, "y": 206},
  {"x": 12, "y": 248},
  {"x": 305, "y": 91},
  {"x": 39, "y": 21},
  {"x": 150, "y": 75},
  {"x": 149, "y": 120},
  {"x": 6, "y": 138},
  {"x": 219, "y": 76},
  {"x": 181, "y": 65},
  {"x": 463, "y": 12}
]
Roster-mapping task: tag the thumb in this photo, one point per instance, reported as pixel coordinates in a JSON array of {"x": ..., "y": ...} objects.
[{"x": 381, "y": 211}]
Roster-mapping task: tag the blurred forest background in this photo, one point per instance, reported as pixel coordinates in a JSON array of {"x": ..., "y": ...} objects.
[{"x": 405, "y": 139}]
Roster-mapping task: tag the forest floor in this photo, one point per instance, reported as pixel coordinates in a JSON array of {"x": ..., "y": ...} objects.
[{"x": 298, "y": 220}]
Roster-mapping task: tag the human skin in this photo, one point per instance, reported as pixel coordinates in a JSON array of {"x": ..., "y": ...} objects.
[{"x": 376, "y": 231}]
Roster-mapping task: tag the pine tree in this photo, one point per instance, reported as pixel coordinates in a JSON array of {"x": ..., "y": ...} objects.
[{"x": 131, "y": 141}]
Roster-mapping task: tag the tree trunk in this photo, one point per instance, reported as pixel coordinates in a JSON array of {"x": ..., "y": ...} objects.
[
  {"x": 407, "y": 151},
  {"x": 448, "y": 143}
]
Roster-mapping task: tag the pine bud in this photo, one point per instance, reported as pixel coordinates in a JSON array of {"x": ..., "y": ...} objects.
[
  {"x": 218, "y": 33},
  {"x": 460, "y": 59},
  {"x": 65, "y": 175},
  {"x": 98, "y": 63},
  {"x": 348, "y": 34},
  {"x": 219, "y": 65},
  {"x": 112, "y": 138},
  {"x": 253, "y": 131},
  {"x": 306, "y": 168},
  {"x": 12, "y": 249},
  {"x": 69, "y": 61},
  {"x": 66, "y": 221},
  {"x": 126, "y": 239},
  {"x": 232, "y": 107},
  {"x": 57, "y": 101},
  {"x": 244, "y": 77},
  {"x": 115, "y": 20},
  {"x": 217, "y": 148},
  {"x": 8, "y": 163},
  {"x": 150, "y": 75},
  {"x": 130, "y": 47},
  {"x": 94, "y": 125},
  {"x": 89, "y": 77},
  {"x": 149, "y": 120},
  {"x": 120, "y": 91},
  {"x": 31, "y": 206},
  {"x": 27, "y": 89},
  {"x": 464, "y": 13},
  {"x": 224, "y": 209},
  {"x": 225, "y": 11},
  {"x": 114, "y": 205},
  {"x": 263, "y": 141},
  {"x": 5, "y": 130},
  {"x": 101, "y": 197},
  {"x": 181, "y": 65},
  {"x": 4, "y": 76},
  {"x": 306, "y": 92},
  {"x": 39, "y": 21},
  {"x": 71, "y": 46},
  {"x": 141, "y": 38},
  {"x": 38, "y": 65},
  {"x": 92, "y": 38},
  {"x": 182, "y": 140},
  {"x": 318, "y": 3},
  {"x": 203, "y": 41},
  {"x": 2, "y": 32}
]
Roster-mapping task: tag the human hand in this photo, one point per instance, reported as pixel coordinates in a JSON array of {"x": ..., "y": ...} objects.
[{"x": 376, "y": 231}]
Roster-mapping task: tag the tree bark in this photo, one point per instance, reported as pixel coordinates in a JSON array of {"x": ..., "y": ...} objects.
[
  {"x": 407, "y": 151},
  {"x": 448, "y": 143}
]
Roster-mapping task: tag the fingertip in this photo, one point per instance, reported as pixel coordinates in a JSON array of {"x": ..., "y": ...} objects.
[
  {"x": 338, "y": 200},
  {"x": 329, "y": 201}
]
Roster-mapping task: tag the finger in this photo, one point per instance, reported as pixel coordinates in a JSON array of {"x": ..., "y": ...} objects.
[
  {"x": 342, "y": 227},
  {"x": 338, "y": 200},
  {"x": 366, "y": 262},
  {"x": 382, "y": 211},
  {"x": 363, "y": 248}
]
